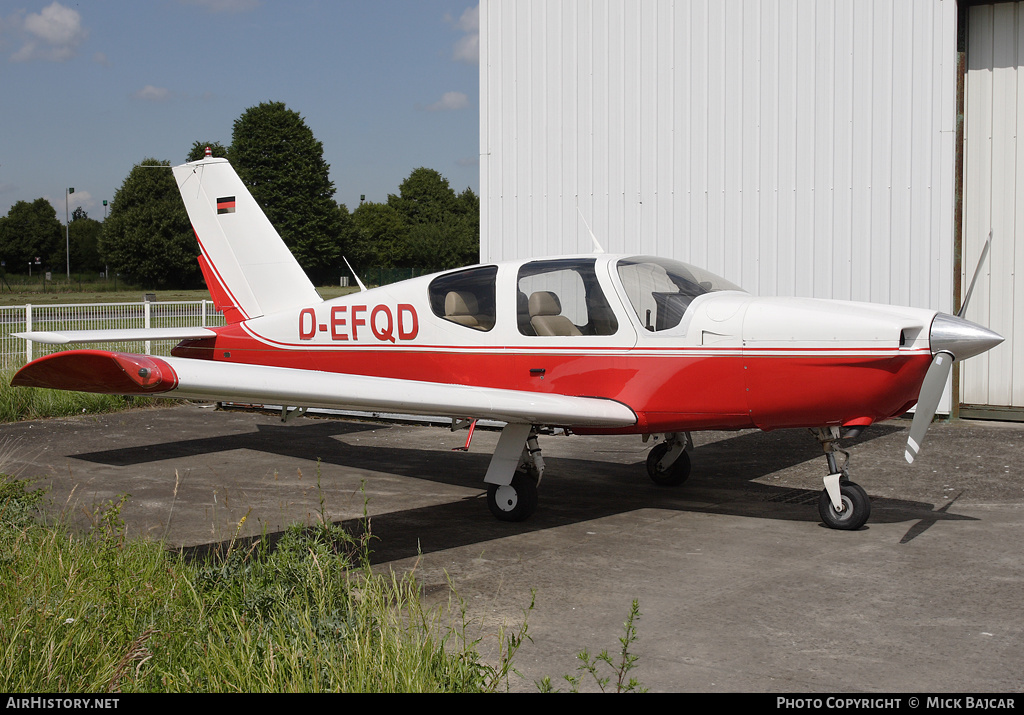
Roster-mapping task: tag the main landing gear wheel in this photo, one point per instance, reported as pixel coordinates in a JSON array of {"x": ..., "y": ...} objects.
[
  {"x": 515, "y": 501},
  {"x": 674, "y": 474},
  {"x": 856, "y": 507}
]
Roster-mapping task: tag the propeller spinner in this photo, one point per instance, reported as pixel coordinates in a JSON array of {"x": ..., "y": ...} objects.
[{"x": 951, "y": 339}]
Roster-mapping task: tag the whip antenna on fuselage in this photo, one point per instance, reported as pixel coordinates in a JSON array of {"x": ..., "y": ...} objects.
[
  {"x": 597, "y": 246},
  {"x": 361, "y": 286}
]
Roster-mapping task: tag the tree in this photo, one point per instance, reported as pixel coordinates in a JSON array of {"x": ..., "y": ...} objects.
[
  {"x": 348, "y": 233},
  {"x": 380, "y": 238},
  {"x": 148, "y": 236},
  {"x": 30, "y": 231},
  {"x": 282, "y": 164},
  {"x": 198, "y": 150},
  {"x": 424, "y": 197},
  {"x": 443, "y": 229},
  {"x": 84, "y": 237}
]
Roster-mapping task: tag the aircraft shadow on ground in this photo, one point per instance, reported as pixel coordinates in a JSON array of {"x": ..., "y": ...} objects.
[{"x": 573, "y": 490}]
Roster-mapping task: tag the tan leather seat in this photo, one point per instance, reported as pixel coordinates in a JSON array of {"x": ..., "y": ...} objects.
[
  {"x": 461, "y": 307},
  {"x": 546, "y": 315}
]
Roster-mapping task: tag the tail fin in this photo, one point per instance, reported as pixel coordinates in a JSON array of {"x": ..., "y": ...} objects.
[{"x": 248, "y": 269}]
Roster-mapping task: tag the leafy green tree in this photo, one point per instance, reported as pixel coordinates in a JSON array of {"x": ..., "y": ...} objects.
[
  {"x": 282, "y": 164},
  {"x": 424, "y": 197},
  {"x": 380, "y": 238},
  {"x": 148, "y": 236},
  {"x": 348, "y": 234},
  {"x": 84, "y": 238},
  {"x": 466, "y": 243},
  {"x": 30, "y": 231},
  {"x": 444, "y": 228},
  {"x": 198, "y": 150},
  {"x": 469, "y": 205}
]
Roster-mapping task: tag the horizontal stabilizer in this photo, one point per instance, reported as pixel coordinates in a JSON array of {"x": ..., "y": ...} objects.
[
  {"x": 119, "y": 335},
  {"x": 120, "y": 373}
]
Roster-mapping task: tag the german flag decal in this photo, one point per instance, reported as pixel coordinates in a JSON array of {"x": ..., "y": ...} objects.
[{"x": 226, "y": 205}]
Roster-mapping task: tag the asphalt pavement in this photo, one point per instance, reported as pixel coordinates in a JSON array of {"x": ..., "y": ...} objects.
[{"x": 739, "y": 585}]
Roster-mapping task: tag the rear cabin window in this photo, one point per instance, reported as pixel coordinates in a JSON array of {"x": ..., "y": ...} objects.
[
  {"x": 465, "y": 298},
  {"x": 660, "y": 290},
  {"x": 562, "y": 297}
]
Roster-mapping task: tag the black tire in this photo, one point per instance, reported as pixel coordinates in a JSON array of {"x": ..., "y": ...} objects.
[
  {"x": 856, "y": 508},
  {"x": 675, "y": 475},
  {"x": 515, "y": 502}
]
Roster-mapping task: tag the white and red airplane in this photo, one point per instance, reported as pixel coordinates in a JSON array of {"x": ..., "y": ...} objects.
[{"x": 593, "y": 344}]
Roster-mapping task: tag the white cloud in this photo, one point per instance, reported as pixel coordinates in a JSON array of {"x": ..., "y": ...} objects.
[
  {"x": 450, "y": 101},
  {"x": 469, "y": 21},
  {"x": 467, "y": 47},
  {"x": 53, "y": 34},
  {"x": 149, "y": 93},
  {"x": 79, "y": 198}
]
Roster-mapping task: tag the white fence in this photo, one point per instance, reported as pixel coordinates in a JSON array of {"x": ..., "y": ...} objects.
[{"x": 99, "y": 316}]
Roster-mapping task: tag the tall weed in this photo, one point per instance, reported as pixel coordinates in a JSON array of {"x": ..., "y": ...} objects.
[{"x": 302, "y": 613}]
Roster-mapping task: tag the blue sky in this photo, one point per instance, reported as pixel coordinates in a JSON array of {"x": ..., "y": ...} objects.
[{"x": 89, "y": 89}]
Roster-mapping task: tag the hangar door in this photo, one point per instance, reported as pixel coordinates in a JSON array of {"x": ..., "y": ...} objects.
[{"x": 993, "y": 198}]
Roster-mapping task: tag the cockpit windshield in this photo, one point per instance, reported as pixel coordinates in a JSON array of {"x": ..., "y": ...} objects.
[{"x": 661, "y": 290}]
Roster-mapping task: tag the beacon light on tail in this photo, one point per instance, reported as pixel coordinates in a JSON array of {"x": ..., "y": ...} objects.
[{"x": 598, "y": 344}]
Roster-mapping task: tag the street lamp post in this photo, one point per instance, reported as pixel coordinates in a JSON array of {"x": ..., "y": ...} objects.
[{"x": 67, "y": 229}]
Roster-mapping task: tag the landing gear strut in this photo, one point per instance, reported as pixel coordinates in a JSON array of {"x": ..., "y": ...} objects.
[
  {"x": 843, "y": 504},
  {"x": 514, "y": 474},
  {"x": 668, "y": 464}
]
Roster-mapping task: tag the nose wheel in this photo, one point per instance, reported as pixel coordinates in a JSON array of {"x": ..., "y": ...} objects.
[
  {"x": 856, "y": 507},
  {"x": 843, "y": 504}
]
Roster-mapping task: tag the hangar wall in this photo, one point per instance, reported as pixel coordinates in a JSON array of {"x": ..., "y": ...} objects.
[
  {"x": 993, "y": 199},
  {"x": 796, "y": 148}
]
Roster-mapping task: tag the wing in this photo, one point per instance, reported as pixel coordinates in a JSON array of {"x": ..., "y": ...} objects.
[
  {"x": 65, "y": 337},
  {"x": 126, "y": 374}
]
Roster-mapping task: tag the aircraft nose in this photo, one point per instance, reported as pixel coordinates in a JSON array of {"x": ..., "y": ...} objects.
[{"x": 961, "y": 338}]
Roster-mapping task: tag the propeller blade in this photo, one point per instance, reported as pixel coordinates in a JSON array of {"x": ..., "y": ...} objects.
[
  {"x": 928, "y": 401},
  {"x": 977, "y": 272}
]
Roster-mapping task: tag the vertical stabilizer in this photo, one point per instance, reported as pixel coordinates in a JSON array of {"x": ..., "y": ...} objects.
[{"x": 248, "y": 269}]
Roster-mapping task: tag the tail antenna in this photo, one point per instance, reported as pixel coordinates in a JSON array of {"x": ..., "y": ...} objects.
[
  {"x": 361, "y": 286},
  {"x": 597, "y": 246}
]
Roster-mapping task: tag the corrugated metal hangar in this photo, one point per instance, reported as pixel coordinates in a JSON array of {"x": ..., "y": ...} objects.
[{"x": 851, "y": 149}]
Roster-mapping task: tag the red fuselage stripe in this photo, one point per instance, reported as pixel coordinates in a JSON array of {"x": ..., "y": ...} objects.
[{"x": 725, "y": 389}]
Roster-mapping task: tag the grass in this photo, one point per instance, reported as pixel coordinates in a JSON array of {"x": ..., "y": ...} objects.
[
  {"x": 29, "y": 403},
  {"x": 99, "y": 613},
  {"x": 95, "y": 612}
]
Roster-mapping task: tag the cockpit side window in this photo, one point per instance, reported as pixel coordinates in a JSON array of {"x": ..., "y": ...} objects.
[
  {"x": 466, "y": 298},
  {"x": 660, "y": 290},
  {"x": 562, "y": 297}
]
